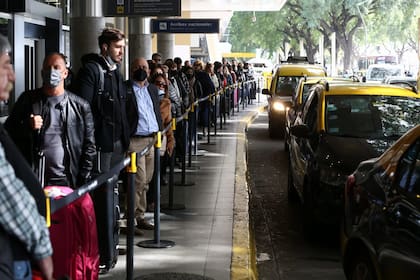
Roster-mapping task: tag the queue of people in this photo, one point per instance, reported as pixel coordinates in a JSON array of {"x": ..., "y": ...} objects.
[{"x": 69, "y": 134}]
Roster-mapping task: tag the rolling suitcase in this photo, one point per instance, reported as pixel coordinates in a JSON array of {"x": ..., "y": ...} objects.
[
  {"x": 107, "y": 211},
  {"x": 74, "y": 237}
]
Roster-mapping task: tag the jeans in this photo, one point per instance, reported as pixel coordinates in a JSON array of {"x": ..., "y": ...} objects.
[{"x": 22, "y": 270}]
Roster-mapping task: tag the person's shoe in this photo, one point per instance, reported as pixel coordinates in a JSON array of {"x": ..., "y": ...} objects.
[
  {"x": 143, "y": 224},
  {"x": 122, "y": 251},
  {"x": 103, "y": 269}
]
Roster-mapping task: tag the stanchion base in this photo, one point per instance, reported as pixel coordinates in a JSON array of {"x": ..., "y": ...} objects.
[
  {"x": 172, "y": 207},
  {"x": 157, "y": 245},
  {"x": 186, "y": 184}
]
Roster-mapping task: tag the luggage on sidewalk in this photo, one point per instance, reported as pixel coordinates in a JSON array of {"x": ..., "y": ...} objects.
[
  {"x": 107, "y": 211},
  {"x": 74, "y": 237}
]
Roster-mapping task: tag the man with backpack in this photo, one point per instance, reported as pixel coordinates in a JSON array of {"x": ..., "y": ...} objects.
[{"x": 100, "y": 82}]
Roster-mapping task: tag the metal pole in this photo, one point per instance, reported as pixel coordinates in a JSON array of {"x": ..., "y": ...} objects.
[{"x": 131, "y": 170}]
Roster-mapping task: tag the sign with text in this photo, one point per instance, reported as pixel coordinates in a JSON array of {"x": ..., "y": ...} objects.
[
  {"x": 185, "y": 26},
  {"x": 147, "y": 8}
]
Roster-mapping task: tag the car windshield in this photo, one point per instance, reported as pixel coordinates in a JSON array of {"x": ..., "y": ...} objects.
[
  {"x": 305, "y": 92},
  {"x": 370, "y": 116},
  {"x": 286, "y": 85}
]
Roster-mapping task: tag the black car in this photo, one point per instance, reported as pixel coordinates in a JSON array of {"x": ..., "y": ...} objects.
[
  {"x": 381, "y": 225},
  {"x": 340, "y": 126}
]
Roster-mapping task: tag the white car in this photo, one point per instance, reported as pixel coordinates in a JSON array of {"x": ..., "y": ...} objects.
[{"x": 378, "y": 72}]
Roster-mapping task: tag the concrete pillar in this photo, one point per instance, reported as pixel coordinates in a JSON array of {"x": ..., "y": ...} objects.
[
  {"x": 85, "y": 26},
  {"x": 140, "y": 39},
  {"x": 166, "y": 45},
  {"x": 321, "y": 50}
]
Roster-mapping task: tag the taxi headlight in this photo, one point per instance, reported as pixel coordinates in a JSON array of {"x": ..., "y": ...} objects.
[{"x": 278, "y": 106}]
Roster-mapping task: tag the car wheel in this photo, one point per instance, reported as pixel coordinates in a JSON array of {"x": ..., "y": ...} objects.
[
  {"x": 271, "y": 130},
  {"x": 362, "y": 268},
  {"x": 292, "y": 195}
]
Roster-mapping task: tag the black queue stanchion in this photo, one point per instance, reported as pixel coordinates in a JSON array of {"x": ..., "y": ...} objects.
[
  {"x": 221, "y": 97},
  {"x": 215, "y": 113},
  {"x": 157, "y": 242},
  {"x": 183, "y": 156},
  {"x": 189, "y": 138},
  {"x": 171, "y": 205},
  {"x": 234, "y": 89},
  {"x": 209, "y": 119},
  {"x": 131, "y": 193},
  {"x": 239, "y": 95}
]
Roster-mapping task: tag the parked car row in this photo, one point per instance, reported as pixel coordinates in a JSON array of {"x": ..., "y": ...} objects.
[{"x": 354, "y": 160}]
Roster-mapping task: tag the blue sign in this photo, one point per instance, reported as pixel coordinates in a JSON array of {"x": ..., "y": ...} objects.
[{"x": 185, "y": 26}]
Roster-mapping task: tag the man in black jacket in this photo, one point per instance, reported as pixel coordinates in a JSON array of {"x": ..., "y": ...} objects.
[
  {"x": 55, "y": 124},
  {"x": 100, "y": 82}
]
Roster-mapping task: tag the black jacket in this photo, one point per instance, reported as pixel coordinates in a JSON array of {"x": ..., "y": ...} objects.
[
  {"x": 108, "y": 107},
  {"x": 132, "y": 108},
  {"x": 79, "y": 132}
]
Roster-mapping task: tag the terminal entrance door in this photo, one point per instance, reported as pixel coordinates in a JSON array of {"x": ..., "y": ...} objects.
[{"x": 34, "y": 53}]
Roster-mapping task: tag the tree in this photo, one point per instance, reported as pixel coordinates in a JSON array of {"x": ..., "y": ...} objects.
[{"x": 385, "y": 20}]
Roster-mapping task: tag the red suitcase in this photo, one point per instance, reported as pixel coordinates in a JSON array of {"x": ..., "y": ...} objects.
[{"x": 74, "y": 237}]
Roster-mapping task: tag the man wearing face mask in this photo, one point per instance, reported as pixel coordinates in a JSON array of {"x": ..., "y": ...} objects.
[
  {"x": 145, "y": 120},
  {"x": 101, "y": 83},
  {"x": 55, "y": 124}
]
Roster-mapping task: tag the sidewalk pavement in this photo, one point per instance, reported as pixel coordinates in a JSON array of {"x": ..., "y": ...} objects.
[{"x": 211, "y": 235}]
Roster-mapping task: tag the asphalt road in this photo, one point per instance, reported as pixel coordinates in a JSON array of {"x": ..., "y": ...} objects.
[{"x": 282, "y": 251}]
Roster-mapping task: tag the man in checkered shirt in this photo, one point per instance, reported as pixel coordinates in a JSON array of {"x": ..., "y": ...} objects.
[{"x": 19, "y": 216}]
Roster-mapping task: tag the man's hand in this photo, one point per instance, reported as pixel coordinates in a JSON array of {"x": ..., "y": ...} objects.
[
  {"x": 36, "y": 122},
  {"x": 46, "y": 267}
]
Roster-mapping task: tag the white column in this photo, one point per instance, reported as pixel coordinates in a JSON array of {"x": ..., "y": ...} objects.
[
  {"x": 333, "y": 55},
  {"x": 140, "y": 39},
  {"x": 86, "y": 25},
  {"x": 321, "y": 50}
]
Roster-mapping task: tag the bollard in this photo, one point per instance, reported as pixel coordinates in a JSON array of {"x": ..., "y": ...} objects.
[
  {"x": 215, "y": 115},
  {"x": 157, "y": 242},
  {"x": 220, "y": 109},
  {"x": 131, "y": 170},
  {"x": 183, "y": 164}
]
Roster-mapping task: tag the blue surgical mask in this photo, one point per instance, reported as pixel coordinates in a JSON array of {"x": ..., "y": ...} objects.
[{"x": 51, "y": 77}]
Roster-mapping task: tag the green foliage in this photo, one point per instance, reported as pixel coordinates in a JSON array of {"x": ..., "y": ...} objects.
[{"x": 386, "y": 21}]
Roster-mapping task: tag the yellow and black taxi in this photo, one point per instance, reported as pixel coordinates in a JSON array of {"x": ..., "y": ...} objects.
[
  {"x": 302, "y": 93},
  {"x": 340, "y": 126},
  {"x": 283, "y": 88},
  {"x": 380, "y": 236}
]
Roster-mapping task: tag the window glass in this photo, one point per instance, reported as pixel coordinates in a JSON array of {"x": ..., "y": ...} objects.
[
  {"x": 286, "y": 85},
  {"x": 408, "y": 173},
  {"x": 4, "y": 105},
  {"x": 369, "y": 116}
]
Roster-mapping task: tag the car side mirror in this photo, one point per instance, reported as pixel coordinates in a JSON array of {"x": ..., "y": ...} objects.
[
  {"x": 266, "y": 91},
  {"x": 300, "y": 130}
]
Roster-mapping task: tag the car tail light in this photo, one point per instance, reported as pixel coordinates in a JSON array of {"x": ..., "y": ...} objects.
[{"x": 350, "y": 184}]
